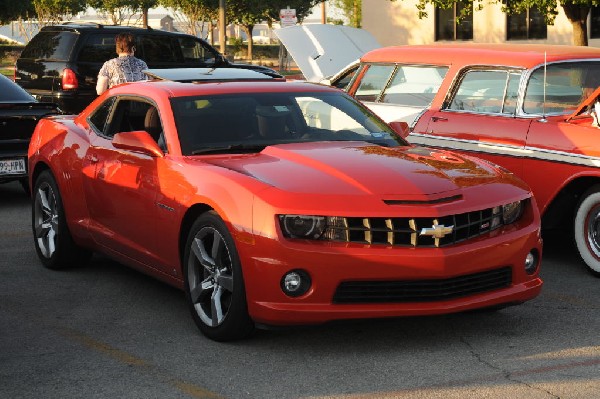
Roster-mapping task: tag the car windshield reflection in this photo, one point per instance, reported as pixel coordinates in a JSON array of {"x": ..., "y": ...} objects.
[{"x": 248, "y": 123}]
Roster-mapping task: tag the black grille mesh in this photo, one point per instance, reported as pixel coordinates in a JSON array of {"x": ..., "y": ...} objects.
[{"x": 422, "y": 290}]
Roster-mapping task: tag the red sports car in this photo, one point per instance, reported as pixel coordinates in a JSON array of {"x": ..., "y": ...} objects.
[{"x": 278, "y": 203}]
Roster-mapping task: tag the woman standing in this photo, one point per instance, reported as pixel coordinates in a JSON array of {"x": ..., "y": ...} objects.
[{"x": 124, "y": 68}]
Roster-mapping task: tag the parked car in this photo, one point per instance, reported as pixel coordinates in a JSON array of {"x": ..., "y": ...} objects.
[
  {"x": 517, "y": 107},
  {"x": 61, "y": 63},
  {"x": 510, "y": 104},
  {"x": 19, "y": 113},
  {"x": 268, "y": 216}
]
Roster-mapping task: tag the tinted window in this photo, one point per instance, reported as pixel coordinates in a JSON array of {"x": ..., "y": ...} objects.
[
  {"x": 373, "y": 82},
  {"x": 160, "y": 49},
  {"x": 529, "y": 24},
  {"x": 129, "y": 116},
  {"x": 448, "y": 25},
  {"x": 11, "y": 92},
  {"x": 98, "y": 48},
  {"x": 50, "y": 45},
  {"x": 100, "y": 117},
  {"x": 205, "y": 122},
  {"x": 194, "y": 51},
  {"x": 414, "y": 85}
]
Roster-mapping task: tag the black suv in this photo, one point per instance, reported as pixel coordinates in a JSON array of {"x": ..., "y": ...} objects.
[{"x": 61, "y": 63}]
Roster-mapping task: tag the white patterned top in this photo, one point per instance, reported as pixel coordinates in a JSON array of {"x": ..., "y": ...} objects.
[{"x": 125, "y": 68}]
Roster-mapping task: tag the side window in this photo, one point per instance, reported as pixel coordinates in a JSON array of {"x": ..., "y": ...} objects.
[
  {"x": 158, "y": 49},
  {"x": 99, "y": 119},
  {"x": 373, "y": 82},
  {"x": 98, "y": 48},
  {"x": 129, "y": 115},
  {"x": 414, "y": 85},
  {"x": 486, "y": 92},
  {"x": 195, "y": 52}
]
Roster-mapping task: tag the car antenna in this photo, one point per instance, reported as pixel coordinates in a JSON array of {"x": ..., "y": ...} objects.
[{"x": 544, "y": 86}]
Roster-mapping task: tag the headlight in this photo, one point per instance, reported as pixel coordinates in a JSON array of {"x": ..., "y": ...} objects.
[
  {"x": 512, "y": 212},
  {"x": 302, "y": 226}
]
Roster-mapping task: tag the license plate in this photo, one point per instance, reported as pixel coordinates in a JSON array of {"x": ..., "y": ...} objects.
[{"x": 12, "y": 166}]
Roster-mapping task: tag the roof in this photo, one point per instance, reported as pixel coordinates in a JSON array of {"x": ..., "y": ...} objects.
[
  {"x": 206, "y": 74},
  {"x": 517, "y": 55},
  {"x": 178, "y": 89}
]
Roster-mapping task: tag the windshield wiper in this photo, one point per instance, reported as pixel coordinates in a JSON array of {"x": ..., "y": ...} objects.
[{"x": 243, "y": 148}]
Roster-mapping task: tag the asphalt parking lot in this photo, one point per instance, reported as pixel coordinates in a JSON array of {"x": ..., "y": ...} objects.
[{"x": 105, "y": 331}]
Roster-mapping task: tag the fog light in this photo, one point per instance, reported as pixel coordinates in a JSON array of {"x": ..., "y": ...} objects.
[
  {"x": 531, "y": 262},
  {"x": 295, "y": 283}
]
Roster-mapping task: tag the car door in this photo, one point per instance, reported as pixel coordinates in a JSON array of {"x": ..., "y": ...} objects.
[
  {"x": 480, "y": 117},
  {"x": 122, "y": 186}
]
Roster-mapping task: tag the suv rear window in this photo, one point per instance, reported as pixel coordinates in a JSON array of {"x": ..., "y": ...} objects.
[{"x": 50, "y": 46}]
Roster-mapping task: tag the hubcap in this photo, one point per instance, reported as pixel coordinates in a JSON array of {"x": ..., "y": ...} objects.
[
  {"x": 45, "y": 219},
  {"x": 593, "y": 231},
  {"x": 210, "y": 276}
]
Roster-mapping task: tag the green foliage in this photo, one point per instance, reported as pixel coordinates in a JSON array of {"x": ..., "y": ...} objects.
[
  {"x": 352, "y": 9},
  {"x": 14, "y": 9}
]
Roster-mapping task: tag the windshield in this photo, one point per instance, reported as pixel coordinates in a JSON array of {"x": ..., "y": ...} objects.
[
  {"x": 561, "y": 88},
  {"x": 256, "y": 120}
]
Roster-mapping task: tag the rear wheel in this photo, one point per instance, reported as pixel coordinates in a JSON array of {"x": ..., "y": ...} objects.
[
  {"x": 214, "y": 283},
  {"x": 53, "y": 242},
  {"x": 587, "y": 229}
]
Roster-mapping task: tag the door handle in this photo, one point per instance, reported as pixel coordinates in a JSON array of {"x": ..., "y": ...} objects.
[{"x": 439, "y": 119}]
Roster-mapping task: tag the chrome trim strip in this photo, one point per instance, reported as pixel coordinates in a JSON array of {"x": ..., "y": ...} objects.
[{"x": 504, "y": 149}]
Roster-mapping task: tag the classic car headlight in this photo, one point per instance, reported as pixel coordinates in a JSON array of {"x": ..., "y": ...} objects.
[{"x": 302, "y": 226}]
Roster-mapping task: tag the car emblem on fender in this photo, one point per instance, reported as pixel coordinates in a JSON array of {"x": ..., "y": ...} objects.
[{"x": 436, "y": 231}]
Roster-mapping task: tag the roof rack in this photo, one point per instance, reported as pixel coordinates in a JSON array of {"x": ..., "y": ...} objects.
[{"x": 96, "y": 24}]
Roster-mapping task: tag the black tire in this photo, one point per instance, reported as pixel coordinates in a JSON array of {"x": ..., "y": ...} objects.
[
  {"x": 586, "y": 229},
  {"x": 214, "y": 284},
  {"x": 53, "y": 242}
]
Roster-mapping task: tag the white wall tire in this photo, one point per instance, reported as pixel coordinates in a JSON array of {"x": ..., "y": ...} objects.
[{"x": 587, "y": 229}]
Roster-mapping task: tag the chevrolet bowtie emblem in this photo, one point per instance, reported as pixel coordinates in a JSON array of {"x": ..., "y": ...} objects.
[{"x": 436, "y": 231}]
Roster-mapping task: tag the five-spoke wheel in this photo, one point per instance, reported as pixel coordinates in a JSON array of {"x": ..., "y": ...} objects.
[{"x": 214, "y": 282}]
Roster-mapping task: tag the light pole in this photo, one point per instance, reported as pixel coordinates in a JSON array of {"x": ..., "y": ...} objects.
[{"x": 222, "y": 27}]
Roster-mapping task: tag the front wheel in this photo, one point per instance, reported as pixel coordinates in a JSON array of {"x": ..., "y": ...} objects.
[
  {"x": 214, "y": 284},
  {"x": 53, "y": 242},
  {"x": 587, "y": 229}
]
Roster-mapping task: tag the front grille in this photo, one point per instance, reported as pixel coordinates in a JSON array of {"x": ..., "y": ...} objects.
[
  {"x": 406, "y": 231},
  {"x": 422, "y": 290}
]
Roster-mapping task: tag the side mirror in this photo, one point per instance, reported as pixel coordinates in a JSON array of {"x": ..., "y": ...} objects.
[
  {"x": 137, "y": 141},
  {"x": 401, "y": 128}
]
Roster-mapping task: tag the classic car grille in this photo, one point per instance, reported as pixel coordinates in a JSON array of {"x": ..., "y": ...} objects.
[
  {"x": 422, "y": 290},
  {"x": 406, "y": 231}
]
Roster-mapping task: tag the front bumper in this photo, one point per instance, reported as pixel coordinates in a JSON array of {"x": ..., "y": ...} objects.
[{"x": 330, "y": 264}]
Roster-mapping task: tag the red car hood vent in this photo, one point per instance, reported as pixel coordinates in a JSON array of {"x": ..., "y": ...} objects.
[{"x": 451, "y": 198}]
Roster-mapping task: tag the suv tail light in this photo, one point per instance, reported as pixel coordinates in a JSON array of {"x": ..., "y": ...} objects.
[{"x": 69, "y": 80}]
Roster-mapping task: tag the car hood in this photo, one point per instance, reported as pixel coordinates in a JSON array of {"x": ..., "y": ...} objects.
[
  {"x": 323, "y": 50},
  {"x": 357, "y": 168}
]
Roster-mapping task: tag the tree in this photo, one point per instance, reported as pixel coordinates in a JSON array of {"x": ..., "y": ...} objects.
[
  {"x": 193, "y": 13},
  {"x": 246, "y": 14},
  {"x": 576, "y": 11},
  {"x": 50, "y": 12},
  {"x": 116, "y": 11},
  {"x": 352, "y": 9},
  {"x": 11, "y": 10},
  {"x": 302, "y": 7},
  {"x": 143, "y": 6}
]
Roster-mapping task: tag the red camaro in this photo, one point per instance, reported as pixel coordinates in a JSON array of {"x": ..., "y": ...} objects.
[{"x": 278, "y": 203}]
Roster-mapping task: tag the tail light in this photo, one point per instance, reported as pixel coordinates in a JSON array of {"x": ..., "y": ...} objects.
[{"x": 69, "y": 80}]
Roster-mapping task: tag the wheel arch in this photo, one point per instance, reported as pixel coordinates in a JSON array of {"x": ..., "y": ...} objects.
[
  {"x": 561, "y": 210},
  {"x": 187, "y": 221}
]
